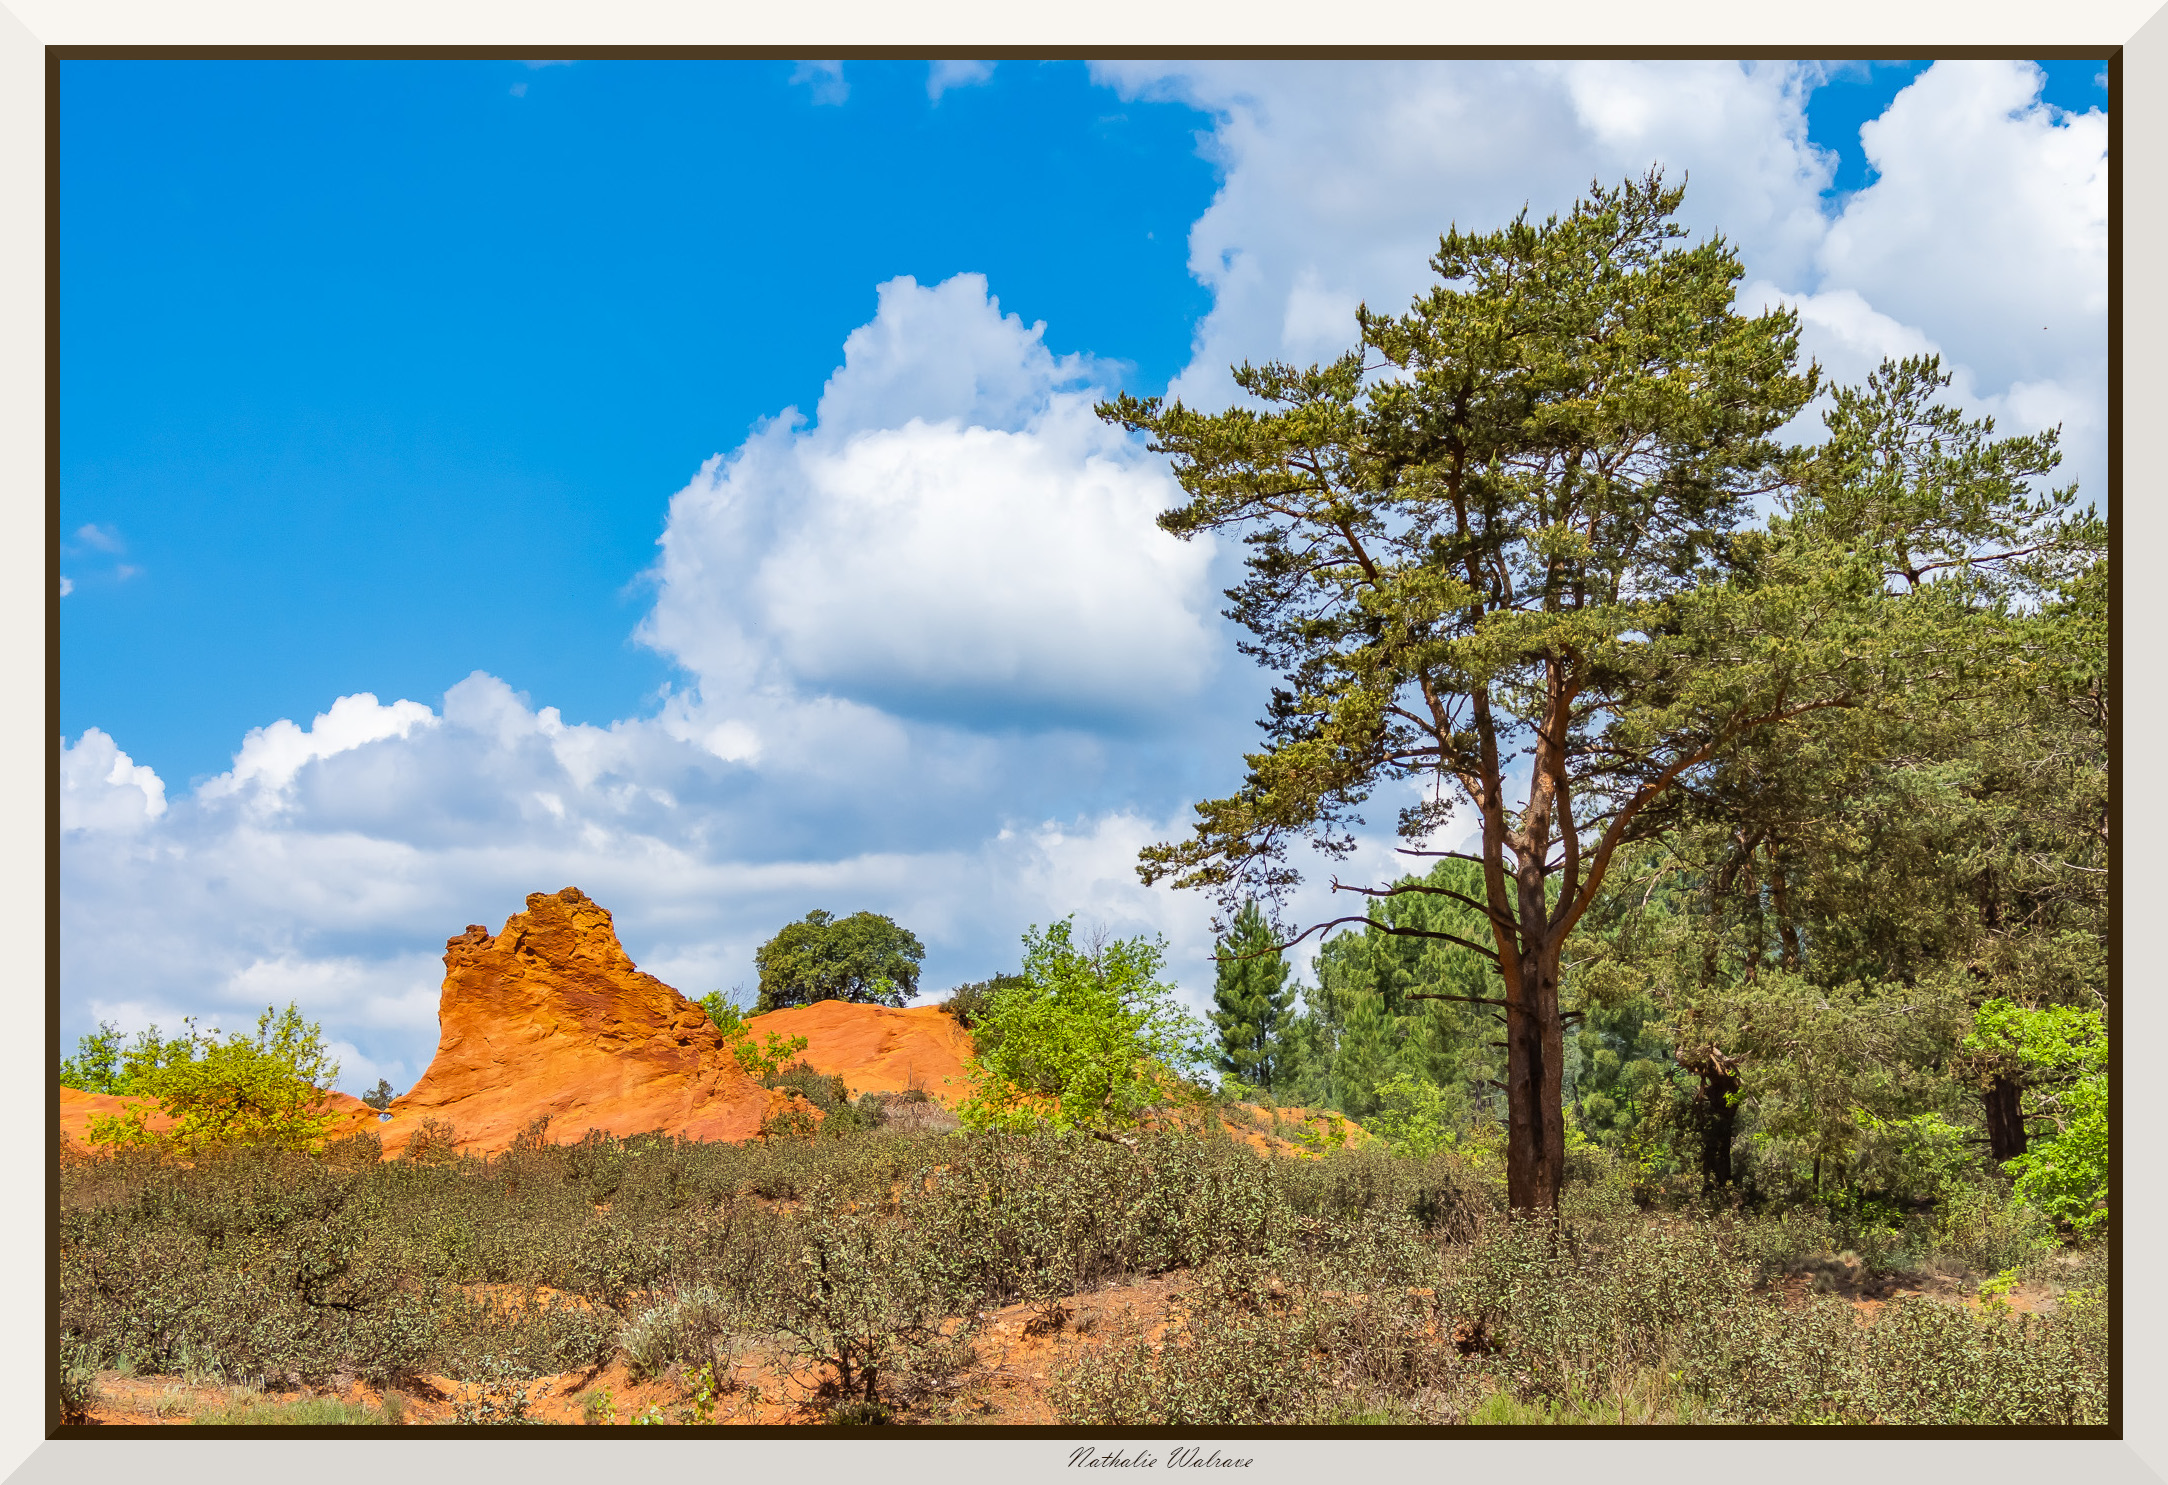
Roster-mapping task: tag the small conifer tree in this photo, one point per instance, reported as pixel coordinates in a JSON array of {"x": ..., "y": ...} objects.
[{"x": 1250, "y": 1003}]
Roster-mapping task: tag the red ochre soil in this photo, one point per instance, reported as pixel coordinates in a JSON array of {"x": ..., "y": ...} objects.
[{"x": 875, "y": 1049}]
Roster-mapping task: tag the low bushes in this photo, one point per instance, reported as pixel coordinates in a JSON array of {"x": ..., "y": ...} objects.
[{"x": 1359, "y": 1285}]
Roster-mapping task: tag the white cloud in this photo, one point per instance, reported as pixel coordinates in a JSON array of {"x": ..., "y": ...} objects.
[
  {"x": 1987, "y": 230},
  {"x": 271, "y": 756},
  {"x": 335, "y": 884},
  {"x": 824, "y": 79},
  {"x": 1988, "y": 224},
  {"x": 1984, "y": 235},
  {"x": 99, "y": 537},
  {"x": 66, "y": 587},
  {"x": 957, "y": 533},
  {"x": 103, "y": 789},
  {"x": 949, "y": 73},
  {"x": 1340, "y": 177}
]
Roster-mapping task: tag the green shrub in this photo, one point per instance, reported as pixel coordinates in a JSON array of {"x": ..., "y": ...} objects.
[
  {"x": 498, "y": 1393},
  {"x": 78, "y": 1380},
  {"x": 690, "y": 1328},
  {"x": 433, "y": 1142},
  {"x": 1220, "y": 1367},
  {"x": 969, "y": 1004},
  {"x": 2065, "y": 1175},
  {"x": 242, "y": 1090},
  {"x": 865, "y": 1302},
  {"x": 1087, "y": 1038}
]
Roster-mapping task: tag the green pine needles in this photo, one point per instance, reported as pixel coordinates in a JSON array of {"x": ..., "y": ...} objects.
[{"x": 1252, "y": 998}]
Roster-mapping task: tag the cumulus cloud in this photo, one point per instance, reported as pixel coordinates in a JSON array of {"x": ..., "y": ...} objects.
[
  {"x": 1986, "y": 230},
  {"x": 1340, "y": 177},
  {"x": 955, "y": 534},
  {"x": 271, "y": 756},
  {"x": 66, "y": 587},
  {"x": 1987, "y": 224},
  {"x": 335, "y": 884},
  {"x": 103, "y": 789},
  {"x": 1984, "y": 236},
  {"x": 949, "y": 73}
]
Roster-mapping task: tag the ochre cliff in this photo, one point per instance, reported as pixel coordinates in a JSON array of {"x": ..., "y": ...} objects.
[{"x": 551, "y": 1017}]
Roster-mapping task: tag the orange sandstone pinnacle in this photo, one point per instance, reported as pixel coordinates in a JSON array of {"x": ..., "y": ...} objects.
[{"x": 552, "y": 1017}]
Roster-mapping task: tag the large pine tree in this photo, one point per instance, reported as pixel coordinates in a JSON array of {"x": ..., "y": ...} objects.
[{"x": 1251, "y": 1002}]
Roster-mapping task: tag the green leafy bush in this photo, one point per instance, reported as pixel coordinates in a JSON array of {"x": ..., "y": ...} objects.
[
  {"x": 1416, "y": 1117},
  {"x": 1086, "y": 1039},
  {"x": 241, "y": 1090},
  {"x": 762, "y": 1062},
  {"x": 2066, "y": 1049}
]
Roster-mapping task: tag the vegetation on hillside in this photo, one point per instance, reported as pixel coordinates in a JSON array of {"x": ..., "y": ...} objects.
[
  {"x": 219, "y": 1091},
  {"x": 856, "y": 1276}
]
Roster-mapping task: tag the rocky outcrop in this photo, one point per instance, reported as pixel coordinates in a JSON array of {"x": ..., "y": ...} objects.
[
  {"x": 552, "y": 1017},
  {"x": 875, "y": 1049}
]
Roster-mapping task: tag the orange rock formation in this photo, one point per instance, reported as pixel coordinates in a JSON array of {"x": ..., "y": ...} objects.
[
  {"x": 551, "y": 1017},
  {"x": 875, "y": 1049}
]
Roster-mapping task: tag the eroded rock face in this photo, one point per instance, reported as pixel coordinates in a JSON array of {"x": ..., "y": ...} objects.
[{"x": 551, "y": 1016}]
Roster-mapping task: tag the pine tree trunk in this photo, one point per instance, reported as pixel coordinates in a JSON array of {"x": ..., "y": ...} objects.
[
  {"x": 2005, "y": 1118},
  {"x": 1535, "y": 1066},
  {"x": 1718, "y": 1119}
]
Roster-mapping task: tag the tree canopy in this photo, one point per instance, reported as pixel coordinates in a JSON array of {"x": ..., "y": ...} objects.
[
  {"x": 1502, "y": 554},
  {"x": 866, "y": 957}
]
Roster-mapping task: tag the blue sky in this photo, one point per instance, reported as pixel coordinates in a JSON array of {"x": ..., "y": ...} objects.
[
  {"x": 685, "y": 472},
  {"x": 382, "y": 373}
]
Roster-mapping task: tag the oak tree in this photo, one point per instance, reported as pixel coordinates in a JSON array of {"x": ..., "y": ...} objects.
[{"x": 866, "y": 957}]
